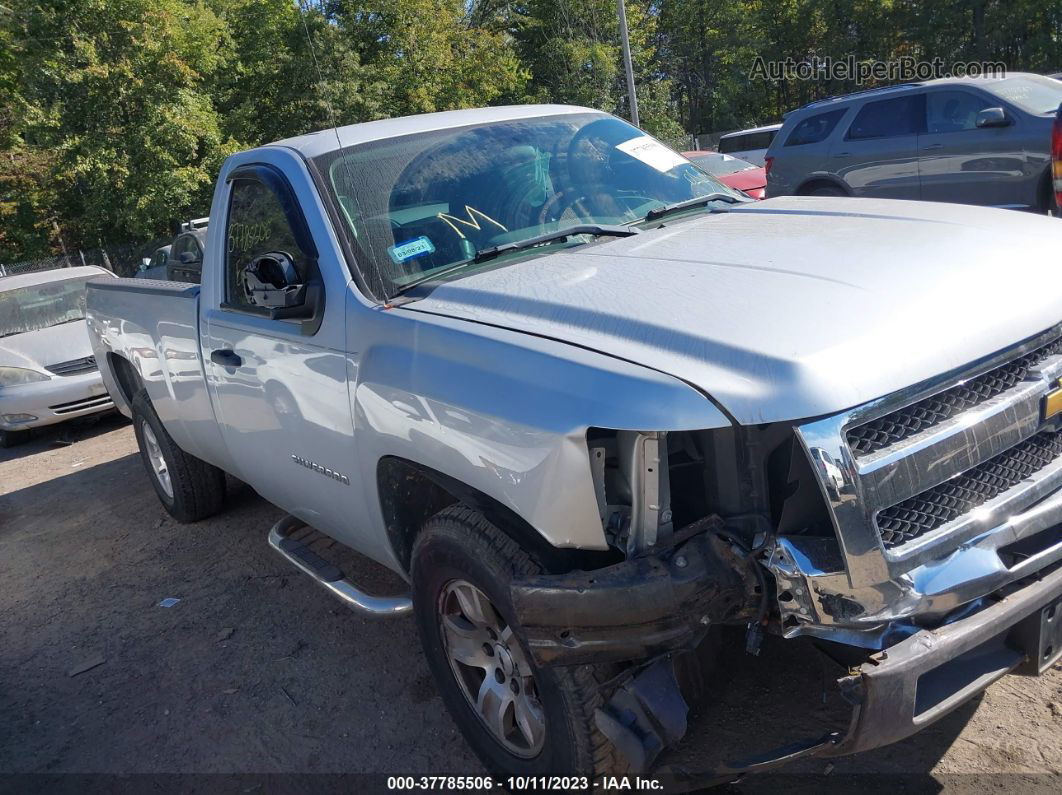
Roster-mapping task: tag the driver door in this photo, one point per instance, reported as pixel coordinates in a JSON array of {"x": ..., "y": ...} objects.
[{"x": 279, "y": 380}]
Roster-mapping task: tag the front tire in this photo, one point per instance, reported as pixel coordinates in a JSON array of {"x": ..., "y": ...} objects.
[
  {"x": 520, "y": 720},
  {"x": 189, "y": 488}
]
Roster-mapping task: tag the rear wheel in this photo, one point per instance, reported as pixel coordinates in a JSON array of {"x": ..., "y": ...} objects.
[
  {"x": 189, "y": 488},
  {"x": 518, "y": 718}
]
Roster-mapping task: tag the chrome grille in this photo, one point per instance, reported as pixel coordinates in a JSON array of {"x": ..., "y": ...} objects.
[
  {"x": 899, "y": 425},
  {"x": 86, "y": 364},
  {"x": 941, "y": 504}
]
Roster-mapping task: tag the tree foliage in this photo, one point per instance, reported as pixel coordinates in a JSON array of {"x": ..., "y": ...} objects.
[{"x": 115, "y": 114}]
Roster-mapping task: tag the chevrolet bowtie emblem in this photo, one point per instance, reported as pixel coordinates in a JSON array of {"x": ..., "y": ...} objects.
[{"x": 1053, "y": 402}]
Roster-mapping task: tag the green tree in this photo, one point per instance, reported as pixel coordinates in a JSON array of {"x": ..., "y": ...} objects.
[{"x": 116, "y": 87}]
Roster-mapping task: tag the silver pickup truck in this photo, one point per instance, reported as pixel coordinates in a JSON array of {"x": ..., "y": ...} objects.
[{"x": 593, "y": 405}]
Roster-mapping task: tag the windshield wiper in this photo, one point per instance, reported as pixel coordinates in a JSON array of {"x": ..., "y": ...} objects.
[
  {"x": 699, "y": 201},
  {"x": 599, "y": 230}
]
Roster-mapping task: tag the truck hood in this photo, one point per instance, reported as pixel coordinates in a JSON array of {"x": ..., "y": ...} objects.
[
  {"x": 38, "y": 349},
  {"x": 788, "y": 308}
]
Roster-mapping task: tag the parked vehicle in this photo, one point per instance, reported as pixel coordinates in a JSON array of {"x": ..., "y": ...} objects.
[
  {"x": 750, "y": 145},
  {"x": 185, "y": 260},
  {"x": 971, "y": 141},
  {"x": 1056, "y": 159},
  {"x": 592, "y": 405},
  {"x": 732, "y": 171},
  {"x": 47, "y": 371},
  {"x": 154, "y": 267}
]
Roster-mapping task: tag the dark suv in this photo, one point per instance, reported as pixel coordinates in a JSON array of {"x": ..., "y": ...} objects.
[{"x": 972, "y": 141}]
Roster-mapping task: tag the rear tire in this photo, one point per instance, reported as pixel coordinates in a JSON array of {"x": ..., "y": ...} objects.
[
  {"x": 460, "y": 552},
  {"x": 189, "y": 488}
]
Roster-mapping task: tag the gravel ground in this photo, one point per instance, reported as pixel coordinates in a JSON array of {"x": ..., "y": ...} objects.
[{"x": 257, "y": 671}]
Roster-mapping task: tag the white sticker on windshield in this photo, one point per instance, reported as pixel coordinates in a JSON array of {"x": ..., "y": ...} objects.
[
  {"x": 417, "y": 247},
  {"x": 651, "y": 152}
]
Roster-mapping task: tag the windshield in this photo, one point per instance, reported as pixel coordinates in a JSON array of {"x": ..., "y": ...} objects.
[
  {"x": 427, "y": 201},
  {"x": 1031, "y": 93},
  {"x": 41, "y": 306},
  {"x": 720, "y": 165}
]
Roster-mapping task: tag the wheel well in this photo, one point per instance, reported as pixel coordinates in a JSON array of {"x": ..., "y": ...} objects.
[
  {"x": 125, "y": 375},
  {"x": 819, "y": 182},
  {"x": 411, "y": 493}
]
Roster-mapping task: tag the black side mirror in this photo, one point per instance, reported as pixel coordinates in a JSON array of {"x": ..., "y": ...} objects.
[
  {"x": 992, "y": 117},
  {"x": 271, "y": 281},
  {"x": 188, "y": 258}
]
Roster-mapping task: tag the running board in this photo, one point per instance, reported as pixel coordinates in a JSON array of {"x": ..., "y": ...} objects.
[{"x": 330, "y": 577}]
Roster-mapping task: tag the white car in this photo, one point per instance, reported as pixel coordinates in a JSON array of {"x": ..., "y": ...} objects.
[
  {"x": 47, "y": 371},
  {"x": 750, "y": 145}
]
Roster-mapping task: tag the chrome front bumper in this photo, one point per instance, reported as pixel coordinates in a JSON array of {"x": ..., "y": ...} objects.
[
  {"x": 854, "y": 588},
  {"x": 55, "y": 400}
]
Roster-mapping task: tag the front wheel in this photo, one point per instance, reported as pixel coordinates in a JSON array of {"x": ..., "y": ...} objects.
[
  {"x": 521, "y": 720},
  {"x": 189, "y": 488}
]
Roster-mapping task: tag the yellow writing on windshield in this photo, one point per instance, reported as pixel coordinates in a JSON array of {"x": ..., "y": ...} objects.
[{"x": 472, "y": 222}]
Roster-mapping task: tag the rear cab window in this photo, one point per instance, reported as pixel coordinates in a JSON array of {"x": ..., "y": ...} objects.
[{"x": 889, "y": 118}]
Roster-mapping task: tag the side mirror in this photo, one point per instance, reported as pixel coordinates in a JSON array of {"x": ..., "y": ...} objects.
[
  {"x": 271, "y": 281},
  {"x": 188, "y": 258},
  {"x": 992, "y": 117}
]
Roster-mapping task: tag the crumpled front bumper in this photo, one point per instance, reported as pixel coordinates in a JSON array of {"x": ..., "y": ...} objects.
[
  {"x": 910, "y": 685},
  {"x": 903, "y": 689},
  {"x": 640, "y": 607}
]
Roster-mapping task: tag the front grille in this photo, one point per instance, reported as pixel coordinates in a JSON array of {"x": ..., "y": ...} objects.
[
  {"x": 86, "y": 364},
  {"x": 941, "y": 504},
  {"x": 899, "y": 425}
]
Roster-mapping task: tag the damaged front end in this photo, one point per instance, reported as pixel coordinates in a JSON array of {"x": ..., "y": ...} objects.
[{"x": 918, "y": 538}]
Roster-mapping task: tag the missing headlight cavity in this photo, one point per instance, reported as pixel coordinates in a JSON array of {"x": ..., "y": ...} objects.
[
  {"x": 649, "y": 483},
  {"x": 630, "y": 471}
]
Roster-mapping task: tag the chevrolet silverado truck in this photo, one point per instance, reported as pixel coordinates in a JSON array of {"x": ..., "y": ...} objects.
[{"x": 592, "y": 405}]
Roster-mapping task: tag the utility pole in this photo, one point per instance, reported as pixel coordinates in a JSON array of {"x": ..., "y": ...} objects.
[{"x": 627, "y": 61}]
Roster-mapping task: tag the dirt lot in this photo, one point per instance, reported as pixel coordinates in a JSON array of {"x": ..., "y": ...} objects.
[{"x": 256, "y": 670}]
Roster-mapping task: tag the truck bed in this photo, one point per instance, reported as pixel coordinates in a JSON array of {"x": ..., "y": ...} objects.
[{"x": 153, "y": 325}]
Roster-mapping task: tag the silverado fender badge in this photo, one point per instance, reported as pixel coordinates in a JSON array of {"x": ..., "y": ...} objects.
[
  {"x": 329, "y": 473},
  {"x": 1053, "y": 402}
]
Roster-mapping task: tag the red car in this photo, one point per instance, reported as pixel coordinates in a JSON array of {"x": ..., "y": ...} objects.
[{"x": 732, "y": 171}]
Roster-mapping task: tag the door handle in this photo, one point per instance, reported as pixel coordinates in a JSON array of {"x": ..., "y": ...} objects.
[{"x": 226, "y": 358}]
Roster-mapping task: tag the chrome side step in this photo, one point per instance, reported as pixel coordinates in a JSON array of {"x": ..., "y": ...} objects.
[{"x": 330, "y": 577}]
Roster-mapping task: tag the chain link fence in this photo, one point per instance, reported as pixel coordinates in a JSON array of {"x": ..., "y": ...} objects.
[{"x": 122, "y": 260}]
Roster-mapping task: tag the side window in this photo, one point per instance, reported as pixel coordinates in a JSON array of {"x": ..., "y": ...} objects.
[
  {"x": 257, "y": 224},
  {"x": 734, "y": 144},
  {"x": 180, "y": 245},
  {"x": 815, "y": 129},
  {"x": 952, "y": 111},
  {"x": 889, "y": 118}
]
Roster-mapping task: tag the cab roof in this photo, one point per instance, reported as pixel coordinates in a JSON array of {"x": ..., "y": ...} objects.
[{"x": 318, "y": 143}]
